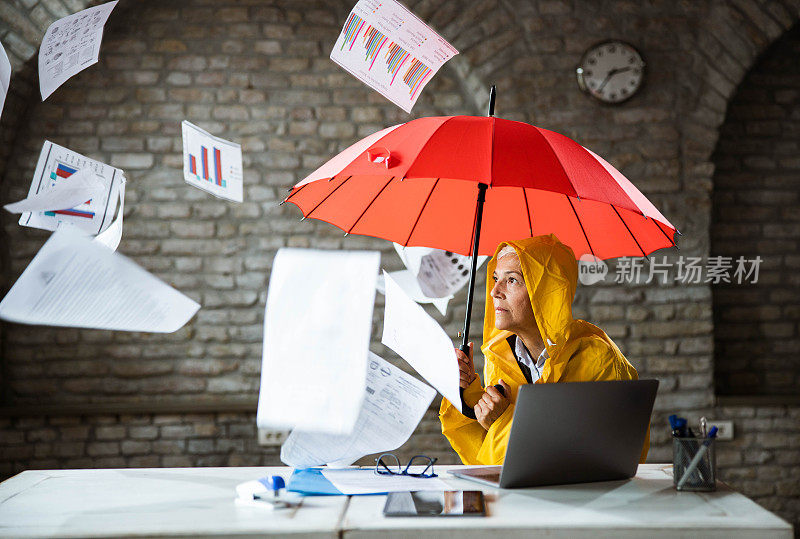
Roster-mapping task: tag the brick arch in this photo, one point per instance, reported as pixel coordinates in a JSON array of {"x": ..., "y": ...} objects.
[
  {"x": 755, "y": 195},
  {"x": 732, "y": 38}
]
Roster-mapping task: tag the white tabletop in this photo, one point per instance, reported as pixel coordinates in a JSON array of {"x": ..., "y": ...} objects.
[
  {"x": 200, "y": 501},
  {"x": 645, "y": 506},
  {"x": 154, "y": 502}
]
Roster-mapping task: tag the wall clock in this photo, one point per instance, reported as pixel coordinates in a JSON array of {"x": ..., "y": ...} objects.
[{"x": 611, "y": 71}]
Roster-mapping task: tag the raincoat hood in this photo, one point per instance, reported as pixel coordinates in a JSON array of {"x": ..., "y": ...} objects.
[{"x": 551, "y": 276}]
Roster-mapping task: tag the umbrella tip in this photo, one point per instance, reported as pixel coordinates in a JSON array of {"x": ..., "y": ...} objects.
[
  {"x": 679, "y": 232},
  {"x": 346, "y": 234},
  {"x": 492, "y": 93}
]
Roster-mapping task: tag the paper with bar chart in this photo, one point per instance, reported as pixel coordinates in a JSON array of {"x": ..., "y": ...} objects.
[
  {"x": 211, "y": 163},
  {"x": 55, "y": 165},
  {"x": 391, "y": 50}
]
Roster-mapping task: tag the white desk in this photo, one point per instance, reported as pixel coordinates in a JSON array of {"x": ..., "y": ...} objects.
[
  {"x": 154, "y": 502},
  {"x": 199, "y": 502},
  {"x": 645, "y": 506}
]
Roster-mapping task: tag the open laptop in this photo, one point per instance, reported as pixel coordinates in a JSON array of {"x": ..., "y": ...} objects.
[{"x": 573, "y": 432}]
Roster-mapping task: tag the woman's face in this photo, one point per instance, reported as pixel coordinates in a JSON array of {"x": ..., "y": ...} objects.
[{"x": 512, "y": 306}]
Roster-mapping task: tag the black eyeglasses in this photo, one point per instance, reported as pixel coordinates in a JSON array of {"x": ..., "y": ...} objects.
[{"x": 389, "y": 464}]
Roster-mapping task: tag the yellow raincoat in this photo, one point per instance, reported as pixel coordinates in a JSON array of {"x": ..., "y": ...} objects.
[{"x": 581, "y": 352}]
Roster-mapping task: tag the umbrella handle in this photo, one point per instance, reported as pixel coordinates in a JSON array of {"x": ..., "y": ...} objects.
[{"x": 468, "y": 411}]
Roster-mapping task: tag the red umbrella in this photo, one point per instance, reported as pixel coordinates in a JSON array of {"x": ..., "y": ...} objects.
[{"x": 423, "y": 183}]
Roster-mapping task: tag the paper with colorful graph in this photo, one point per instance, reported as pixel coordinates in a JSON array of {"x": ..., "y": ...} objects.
[
  {"x": 391, "y": 50},
  {"x": 54, "y": 170},
  {"x": 211, "y": 163}
]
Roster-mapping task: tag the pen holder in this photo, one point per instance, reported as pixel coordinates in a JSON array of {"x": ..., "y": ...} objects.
[{"x": 700, "y": 473}]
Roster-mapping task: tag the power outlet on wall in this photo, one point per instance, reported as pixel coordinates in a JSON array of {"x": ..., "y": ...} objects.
[
  {"x": 270, "y": 437},
  {"x": 725, "y": 431}
]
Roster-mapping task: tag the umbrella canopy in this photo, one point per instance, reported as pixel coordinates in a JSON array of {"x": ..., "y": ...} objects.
[
  {"x": 466, "y": 183},
  {"x": 418, "y": 183}
]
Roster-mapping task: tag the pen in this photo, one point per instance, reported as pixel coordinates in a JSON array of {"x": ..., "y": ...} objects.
[
  {"x": 698, "y": 457},
  {"x": 678, "y": 425}
]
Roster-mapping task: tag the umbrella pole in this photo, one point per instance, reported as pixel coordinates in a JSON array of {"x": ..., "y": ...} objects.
[
  {"x": 466, "y": 410},
  {"x": 474, "y": 266}
]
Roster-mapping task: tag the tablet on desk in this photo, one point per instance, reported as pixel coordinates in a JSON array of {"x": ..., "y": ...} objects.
[{"x": 432, "y": 503}]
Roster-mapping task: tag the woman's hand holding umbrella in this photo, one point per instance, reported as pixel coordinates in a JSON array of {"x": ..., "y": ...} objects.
[
  {"x": 492, "y": 405},
  {"x": 466, "y": 368}
]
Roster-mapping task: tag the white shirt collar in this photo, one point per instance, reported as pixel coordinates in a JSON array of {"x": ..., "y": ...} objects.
[{"x": 522, "y": 353}]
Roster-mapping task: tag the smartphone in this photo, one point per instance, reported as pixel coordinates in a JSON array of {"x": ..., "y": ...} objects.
[{"x": 433, "y": 503}]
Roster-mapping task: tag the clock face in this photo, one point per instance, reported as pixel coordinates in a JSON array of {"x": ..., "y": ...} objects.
[{"x": 611, "y": 71}]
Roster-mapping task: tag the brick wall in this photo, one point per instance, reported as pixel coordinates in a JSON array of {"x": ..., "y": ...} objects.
[
  {"x": 756, "y": 198},
  {"x": 258, "y": 72},
  {"x": 133, "y": 440}
]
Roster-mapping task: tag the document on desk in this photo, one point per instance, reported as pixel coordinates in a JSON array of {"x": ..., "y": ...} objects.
[
  {"x": 76, "y": 282},
  {"x": 366, "y": 481},
  {"x": 317, "y": 326},
  {"x": 418, "y": 338},
  {"x": 394, "y": 403}
]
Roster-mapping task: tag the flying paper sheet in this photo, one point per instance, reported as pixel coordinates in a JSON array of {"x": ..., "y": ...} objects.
[
  {"x": 74, "y": 281},
  {"x": 391, "y": 50},
  {"x": 440, "y": 273},
  {"x": 57, "y": 163},
  {"x": 408, "y": 282},
  {"x": 5, "y": 76},
  {"x": 64, "y": 193},
  {"x": 211, "y": 163},
  {"x": 70, "y": 45},
  {"x": 317, "y": 326},
  {"x": 417, "y": 338},
  {"x": 393, "y": 406},
  {"x": 112, "y": 235}
]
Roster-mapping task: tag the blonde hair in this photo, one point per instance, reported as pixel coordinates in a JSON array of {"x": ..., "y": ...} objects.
[{"x": 507, "y": 250}]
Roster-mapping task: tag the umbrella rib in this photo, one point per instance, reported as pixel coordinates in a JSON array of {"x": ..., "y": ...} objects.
[
  {"x": 527, "y": 210},
  {"x": 326, "y": 197},
  {"x": 629, "y": 231},
  {"x": 665, "y": 234},
  {"x": 420, "y": 212},
  {"x": 581, "y": 225},
  {"x": 293, "y": 193},
  {"x": 370, "y": 204}
]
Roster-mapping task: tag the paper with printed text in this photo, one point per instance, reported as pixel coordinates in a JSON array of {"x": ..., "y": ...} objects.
[{"x": 394, "y": 403}]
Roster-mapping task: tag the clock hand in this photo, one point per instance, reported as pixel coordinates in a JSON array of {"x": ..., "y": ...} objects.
[
  {"x": 605, "y": 80},
  {"x": 615, "y": 71}
]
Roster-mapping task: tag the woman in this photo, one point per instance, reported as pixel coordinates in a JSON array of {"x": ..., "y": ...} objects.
[{"x": 529, "y": 336}]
